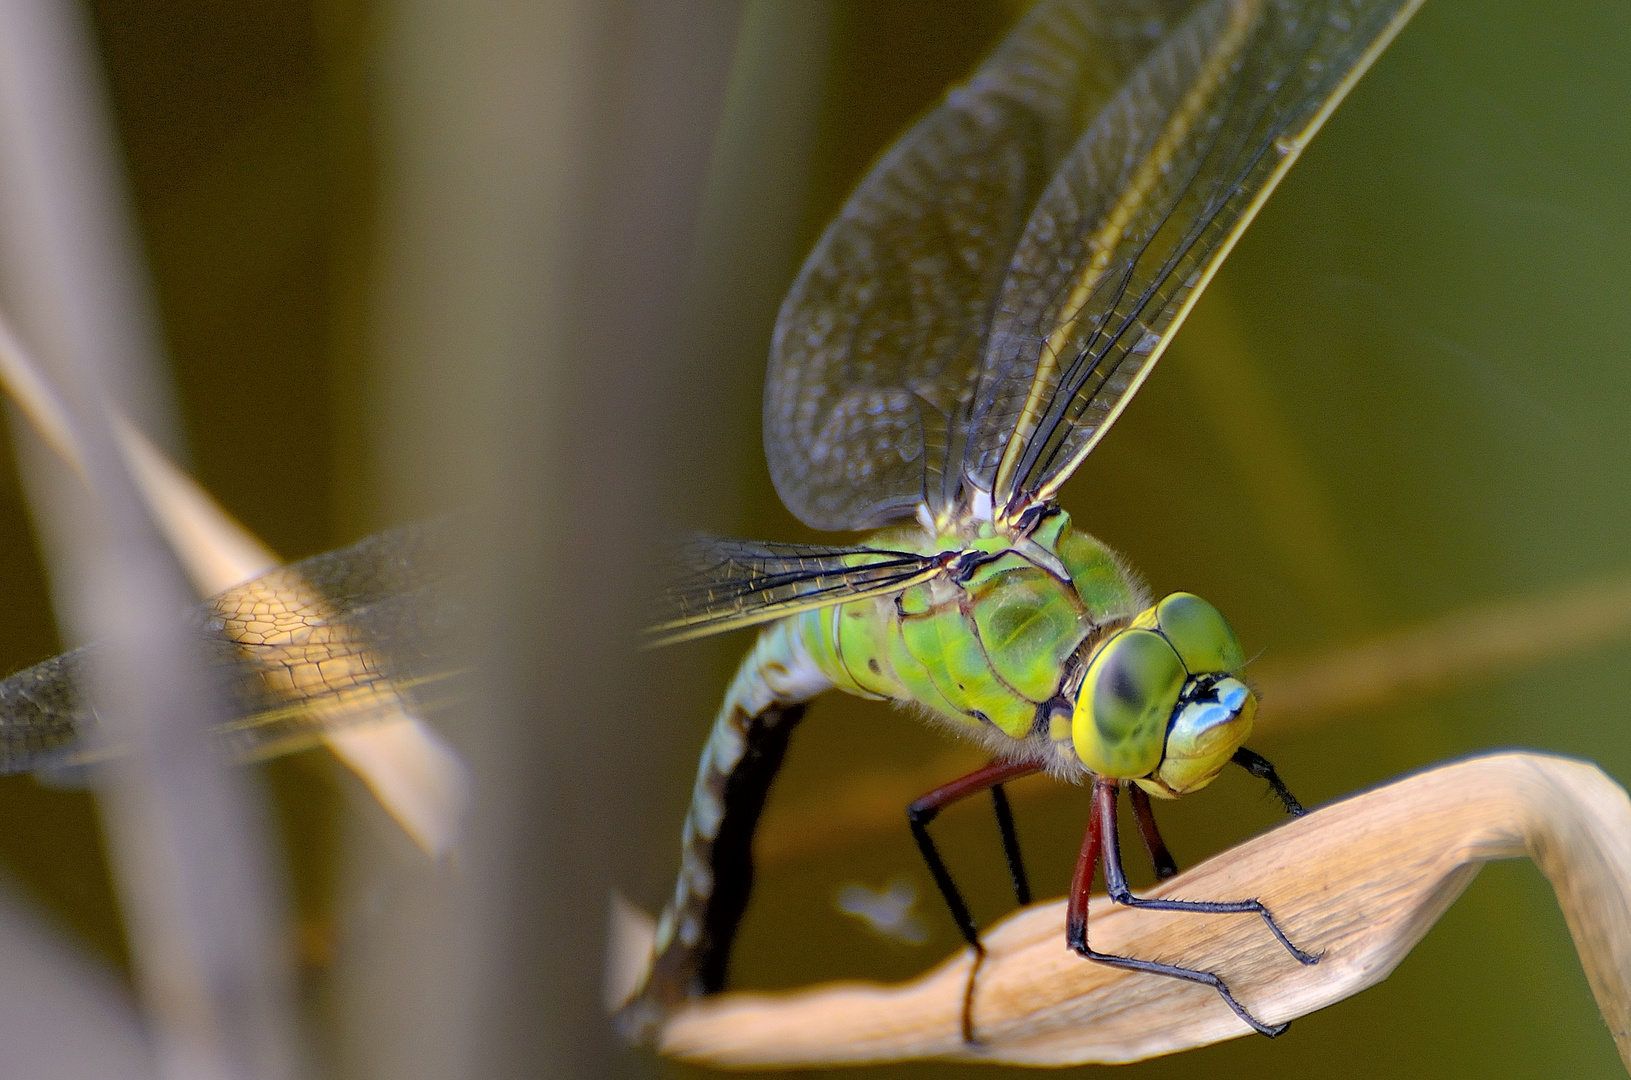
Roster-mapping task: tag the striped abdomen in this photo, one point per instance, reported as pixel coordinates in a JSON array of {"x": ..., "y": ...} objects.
[{"x": 743, "y": 753}]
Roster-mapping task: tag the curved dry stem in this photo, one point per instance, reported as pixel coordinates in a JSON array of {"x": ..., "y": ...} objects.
[{"x": 1360, "y": 881}]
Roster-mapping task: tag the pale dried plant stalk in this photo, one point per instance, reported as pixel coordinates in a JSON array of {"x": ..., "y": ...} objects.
[
  {"x": 419, "y": 779},
  {"x": 1359, "y": 881}
]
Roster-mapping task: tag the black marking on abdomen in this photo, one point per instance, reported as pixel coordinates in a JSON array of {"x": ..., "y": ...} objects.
[
  {"x": 732, "y": 856},
  {"x": 716, "y": 873}
]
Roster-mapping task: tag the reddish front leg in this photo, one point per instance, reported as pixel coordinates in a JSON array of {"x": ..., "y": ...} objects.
[
  {"x": 1081, "y": 883},
  {"x": 1160, "y": 857},
  {"x": 1103, "y": 842}
]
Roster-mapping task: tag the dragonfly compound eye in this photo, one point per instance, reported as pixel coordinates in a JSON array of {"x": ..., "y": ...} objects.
[
  {"x": 1127, "y": 698},
  {"x": 1199, "y": 632}
]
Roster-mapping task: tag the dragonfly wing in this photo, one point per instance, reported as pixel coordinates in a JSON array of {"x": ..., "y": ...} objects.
[
  {"x": 340, "y": 640},
  {"x": 330, "y": 642},
  {"x": 1142, "y": 212},
  {"x": 735, "y": 583},
  {"x": 44, "y": 713},
  {"x": 878, "y": 346}
]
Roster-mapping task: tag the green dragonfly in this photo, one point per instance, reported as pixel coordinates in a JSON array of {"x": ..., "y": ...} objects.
[{"x": 965, "y": 332}]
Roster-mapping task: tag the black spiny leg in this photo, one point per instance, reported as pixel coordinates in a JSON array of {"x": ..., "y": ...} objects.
[
  {"x": 1116, "y": 881},
  {"x": 1259, "y": 766},
  {"x": 1104, "y": 806},
  {"x": 925, "y": 810},
  {"x": 1010, "y": 845}
]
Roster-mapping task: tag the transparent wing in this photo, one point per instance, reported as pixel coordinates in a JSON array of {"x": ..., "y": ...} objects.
[
  {"x": 337, "y": 640},
  {"x": 1140, "y": 215},
  {"x": 736, "y": 583},
  {"x": 878, "y": 346}
]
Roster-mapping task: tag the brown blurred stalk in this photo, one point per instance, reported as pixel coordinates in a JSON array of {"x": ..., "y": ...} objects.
[
  {"x": 541, "y": 174},
  {"x": 1359, "y": 882}
]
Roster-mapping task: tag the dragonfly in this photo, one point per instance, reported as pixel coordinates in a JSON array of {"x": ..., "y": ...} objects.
[{"x": 965, "y": 332}]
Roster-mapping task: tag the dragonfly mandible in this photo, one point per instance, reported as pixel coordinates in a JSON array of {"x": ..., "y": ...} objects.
[{"x": 966, "y": 331}]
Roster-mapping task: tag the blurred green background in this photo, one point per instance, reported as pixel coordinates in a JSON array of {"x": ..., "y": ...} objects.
[{"x": 1427, "y": 329}]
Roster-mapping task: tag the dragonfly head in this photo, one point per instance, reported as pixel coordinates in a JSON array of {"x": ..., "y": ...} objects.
[{"x": 1160, "y": 704}]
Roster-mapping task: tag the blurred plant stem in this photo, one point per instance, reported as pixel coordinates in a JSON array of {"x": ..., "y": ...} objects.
[
  {"x": 186, "y": 830},
  {"x": 542, "y": 166}
]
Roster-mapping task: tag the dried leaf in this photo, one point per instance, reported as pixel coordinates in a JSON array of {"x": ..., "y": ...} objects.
[{"x": 1360, "y": 881}]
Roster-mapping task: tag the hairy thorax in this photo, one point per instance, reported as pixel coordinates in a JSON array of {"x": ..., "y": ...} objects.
[{"x": 990, "y": 652}]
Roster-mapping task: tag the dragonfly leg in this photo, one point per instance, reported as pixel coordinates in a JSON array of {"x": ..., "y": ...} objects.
[
  {"x": 1010, "y": 845},
  {"x": 925, "y": 810},
  {"x": 1115, "y": 881},
  {"x": 1160, "y": 857},
  {"x": 1109, "y": 848},
  {"x": 1259, "y": 766},
  {"x": 1081, "y": 885}
]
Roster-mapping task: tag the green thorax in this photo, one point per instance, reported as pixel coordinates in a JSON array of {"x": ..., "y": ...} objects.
[{"x": 985, "y": 649}]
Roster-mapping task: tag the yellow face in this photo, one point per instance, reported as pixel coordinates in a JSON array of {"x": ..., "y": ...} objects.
[{"x": 1160, "y": 704}]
